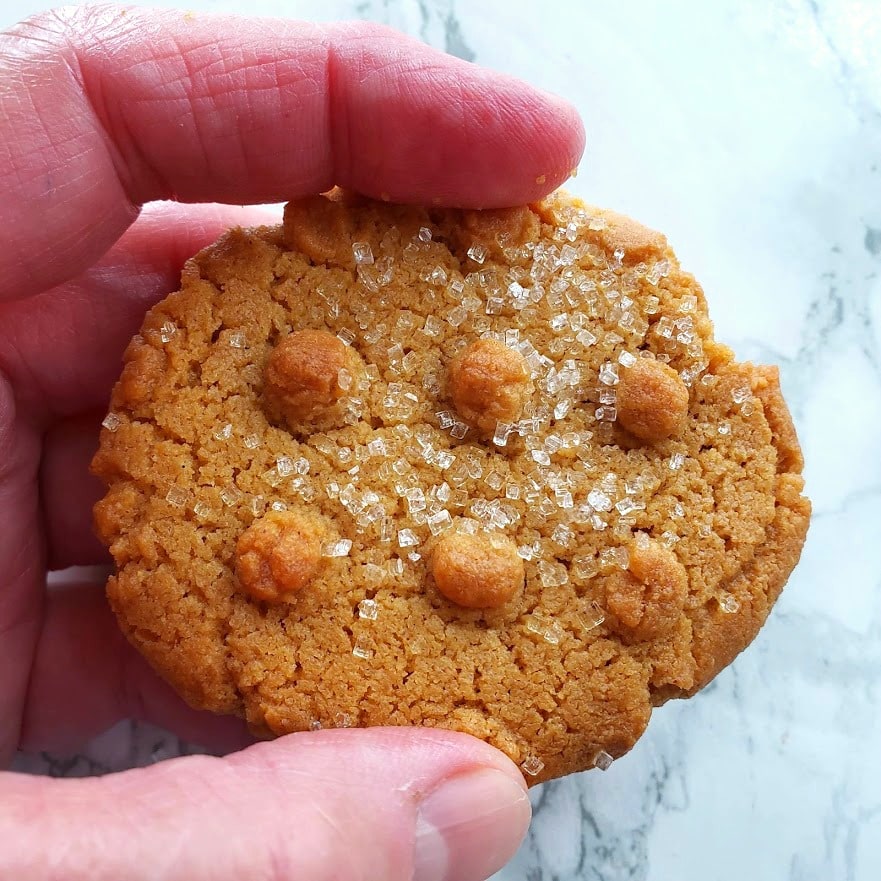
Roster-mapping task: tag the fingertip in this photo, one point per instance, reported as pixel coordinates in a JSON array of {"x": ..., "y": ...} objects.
[
  {"x": 415, "y": 125},
  {"x": 470, "y": 826}
]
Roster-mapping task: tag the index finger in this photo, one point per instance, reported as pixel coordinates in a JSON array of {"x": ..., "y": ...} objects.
[{"x": 106, "y": 108}]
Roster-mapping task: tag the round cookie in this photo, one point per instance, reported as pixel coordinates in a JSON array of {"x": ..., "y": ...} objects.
[{"x": 389, "y": 465}]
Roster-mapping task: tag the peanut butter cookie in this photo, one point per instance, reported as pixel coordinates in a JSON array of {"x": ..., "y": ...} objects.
[{"x": 387, "y": 465}]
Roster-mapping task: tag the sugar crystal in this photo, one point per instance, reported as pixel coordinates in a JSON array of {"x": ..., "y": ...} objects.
[
  {"x": 585, "y": 337},
  {"x": 669, "y": 538},
  {"x": 237, "y": 340},
  {"x": 741, "y": 394},
  {"x": 688, "y": 303},
  {"x": 231, "y": 495},
  {"x": 344, "y": 379},
  {"x": 609, "y": 373},
  {"x": 176, "y": 497},
  {"x": 376, "y": 447},
  {"x": 627, "y": 506},
  {"x": 386, "y": 529},
  {"x": 724, "y": 428},
  {"x": 503, "y": 429},
  {"x": 564, "y": 499},
  {"x": 552, "y": 633},
  {"x": 472, "y": 304},
  {"x": 424, "y": 234},
  {"x": 603, "y": 760},
  {"x": 599, "y": 501},
  {"x": 617, "y": 558},
  {"x": 584, "y": 566},
  {"x": 728, "y": 603},
  {"x": 443, "y": 459},
  {"x": 533, "y": 766},
  {"x": 338, "y": 548},
  {"x": 477, "y": 253},
  {"x": 562, "y": 534},
  {"x": 552, "y": 574},
  {"x": 346, "y": 336},
  {"x": 361, "y": 649},
  {"x": 457, "y": 315},
  {"x": 407, "y": 538},
  {"x": 284, "y": 465},
  {"x": 433, "y": 326},
  {"x": 415, "y": 500},
  {"x": 459, "y": 430},
  {"x": 626, "y": 359},
  {"x": 541, "y": 457},
  {"x": 315, "y": 725},
  {"x": 362, "y": 253},
  {"x": 592, "y": 615},
  {"x": 606, "y": 414},
  {"x": 224, "y": 433},
  {"x": 562, "y": 409},
  {"x": 277, "y": 505},
  {"x": 494, "y": 480},
  {"x": 676, "y": 461},
  {"x": 525, "y": 552},
  {"x": 111, "y": 422},
  {"x": 252, "y": 441},
  {"x": 201, "y": 510},
  {"x": 439, "y": 522},
  {"x": 167, "y": 331}
]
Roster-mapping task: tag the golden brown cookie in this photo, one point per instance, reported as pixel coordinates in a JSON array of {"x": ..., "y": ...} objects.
[{"x": 387, "y": 465}]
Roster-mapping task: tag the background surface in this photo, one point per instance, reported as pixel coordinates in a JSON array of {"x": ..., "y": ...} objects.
[{"x": 750, "y": 132}]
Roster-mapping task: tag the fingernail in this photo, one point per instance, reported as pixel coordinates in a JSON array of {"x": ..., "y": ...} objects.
[{"x": 470, "y": 827}]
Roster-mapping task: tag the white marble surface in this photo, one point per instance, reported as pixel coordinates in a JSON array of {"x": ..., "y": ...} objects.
[{"x": 751, "y": 133}]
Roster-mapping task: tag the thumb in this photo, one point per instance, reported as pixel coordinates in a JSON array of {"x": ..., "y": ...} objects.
[{"x": 381, "y": 804}]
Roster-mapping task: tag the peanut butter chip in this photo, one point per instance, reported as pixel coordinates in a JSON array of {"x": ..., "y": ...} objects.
[
  {"x": 278, "y": 555},
  {"x": 303, "y": 376},
  {"x": 652, "y": 400},
  {"x": 477, "y": 571},
  {"x": 647, "y": 600},
  {"x": 488, "y": 383}
]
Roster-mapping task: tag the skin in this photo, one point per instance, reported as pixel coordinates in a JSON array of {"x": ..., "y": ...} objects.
[{"x": 101, "y": 111}]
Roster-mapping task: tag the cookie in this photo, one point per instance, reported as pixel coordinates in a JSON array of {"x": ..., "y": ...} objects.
[{"x": 488, "y": 471}]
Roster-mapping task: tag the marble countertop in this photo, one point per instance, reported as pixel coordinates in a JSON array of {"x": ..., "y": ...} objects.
[{"x": 750, "y": 132}]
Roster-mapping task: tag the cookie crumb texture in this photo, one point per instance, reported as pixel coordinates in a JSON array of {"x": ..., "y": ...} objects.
[{"x": 488, "y": 471}]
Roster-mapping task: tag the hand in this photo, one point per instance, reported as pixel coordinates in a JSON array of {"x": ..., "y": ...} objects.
[{"x": 101, "y": 111}]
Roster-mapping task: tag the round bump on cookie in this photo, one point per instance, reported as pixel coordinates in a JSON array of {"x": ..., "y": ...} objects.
[
  {"x": 647, "y": 599},
  {"x": 488, "y": 383},
  {"x": 279, "y": 554},
  {"x": 480, "y": 571},
  {"x": 652, "y": 400},
  {"x": 307, "y": 373}
]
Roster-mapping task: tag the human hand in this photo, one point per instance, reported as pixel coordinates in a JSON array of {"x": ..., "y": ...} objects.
[{"x": 102, "y": 110}]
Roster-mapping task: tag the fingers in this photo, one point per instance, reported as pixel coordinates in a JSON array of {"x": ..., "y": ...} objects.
[
  {"x": 86, "y": 677},
  {"x": 62, "y": 350},
  {"x": 107, "y": 108},
  {"x": 68, "y": 492},
  {"x": 395, "y": 804},
  {"x": 22, "y": 573}
]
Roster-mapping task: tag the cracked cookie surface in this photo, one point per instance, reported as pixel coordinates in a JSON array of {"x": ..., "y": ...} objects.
[{"x": 387, "y": 465}]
